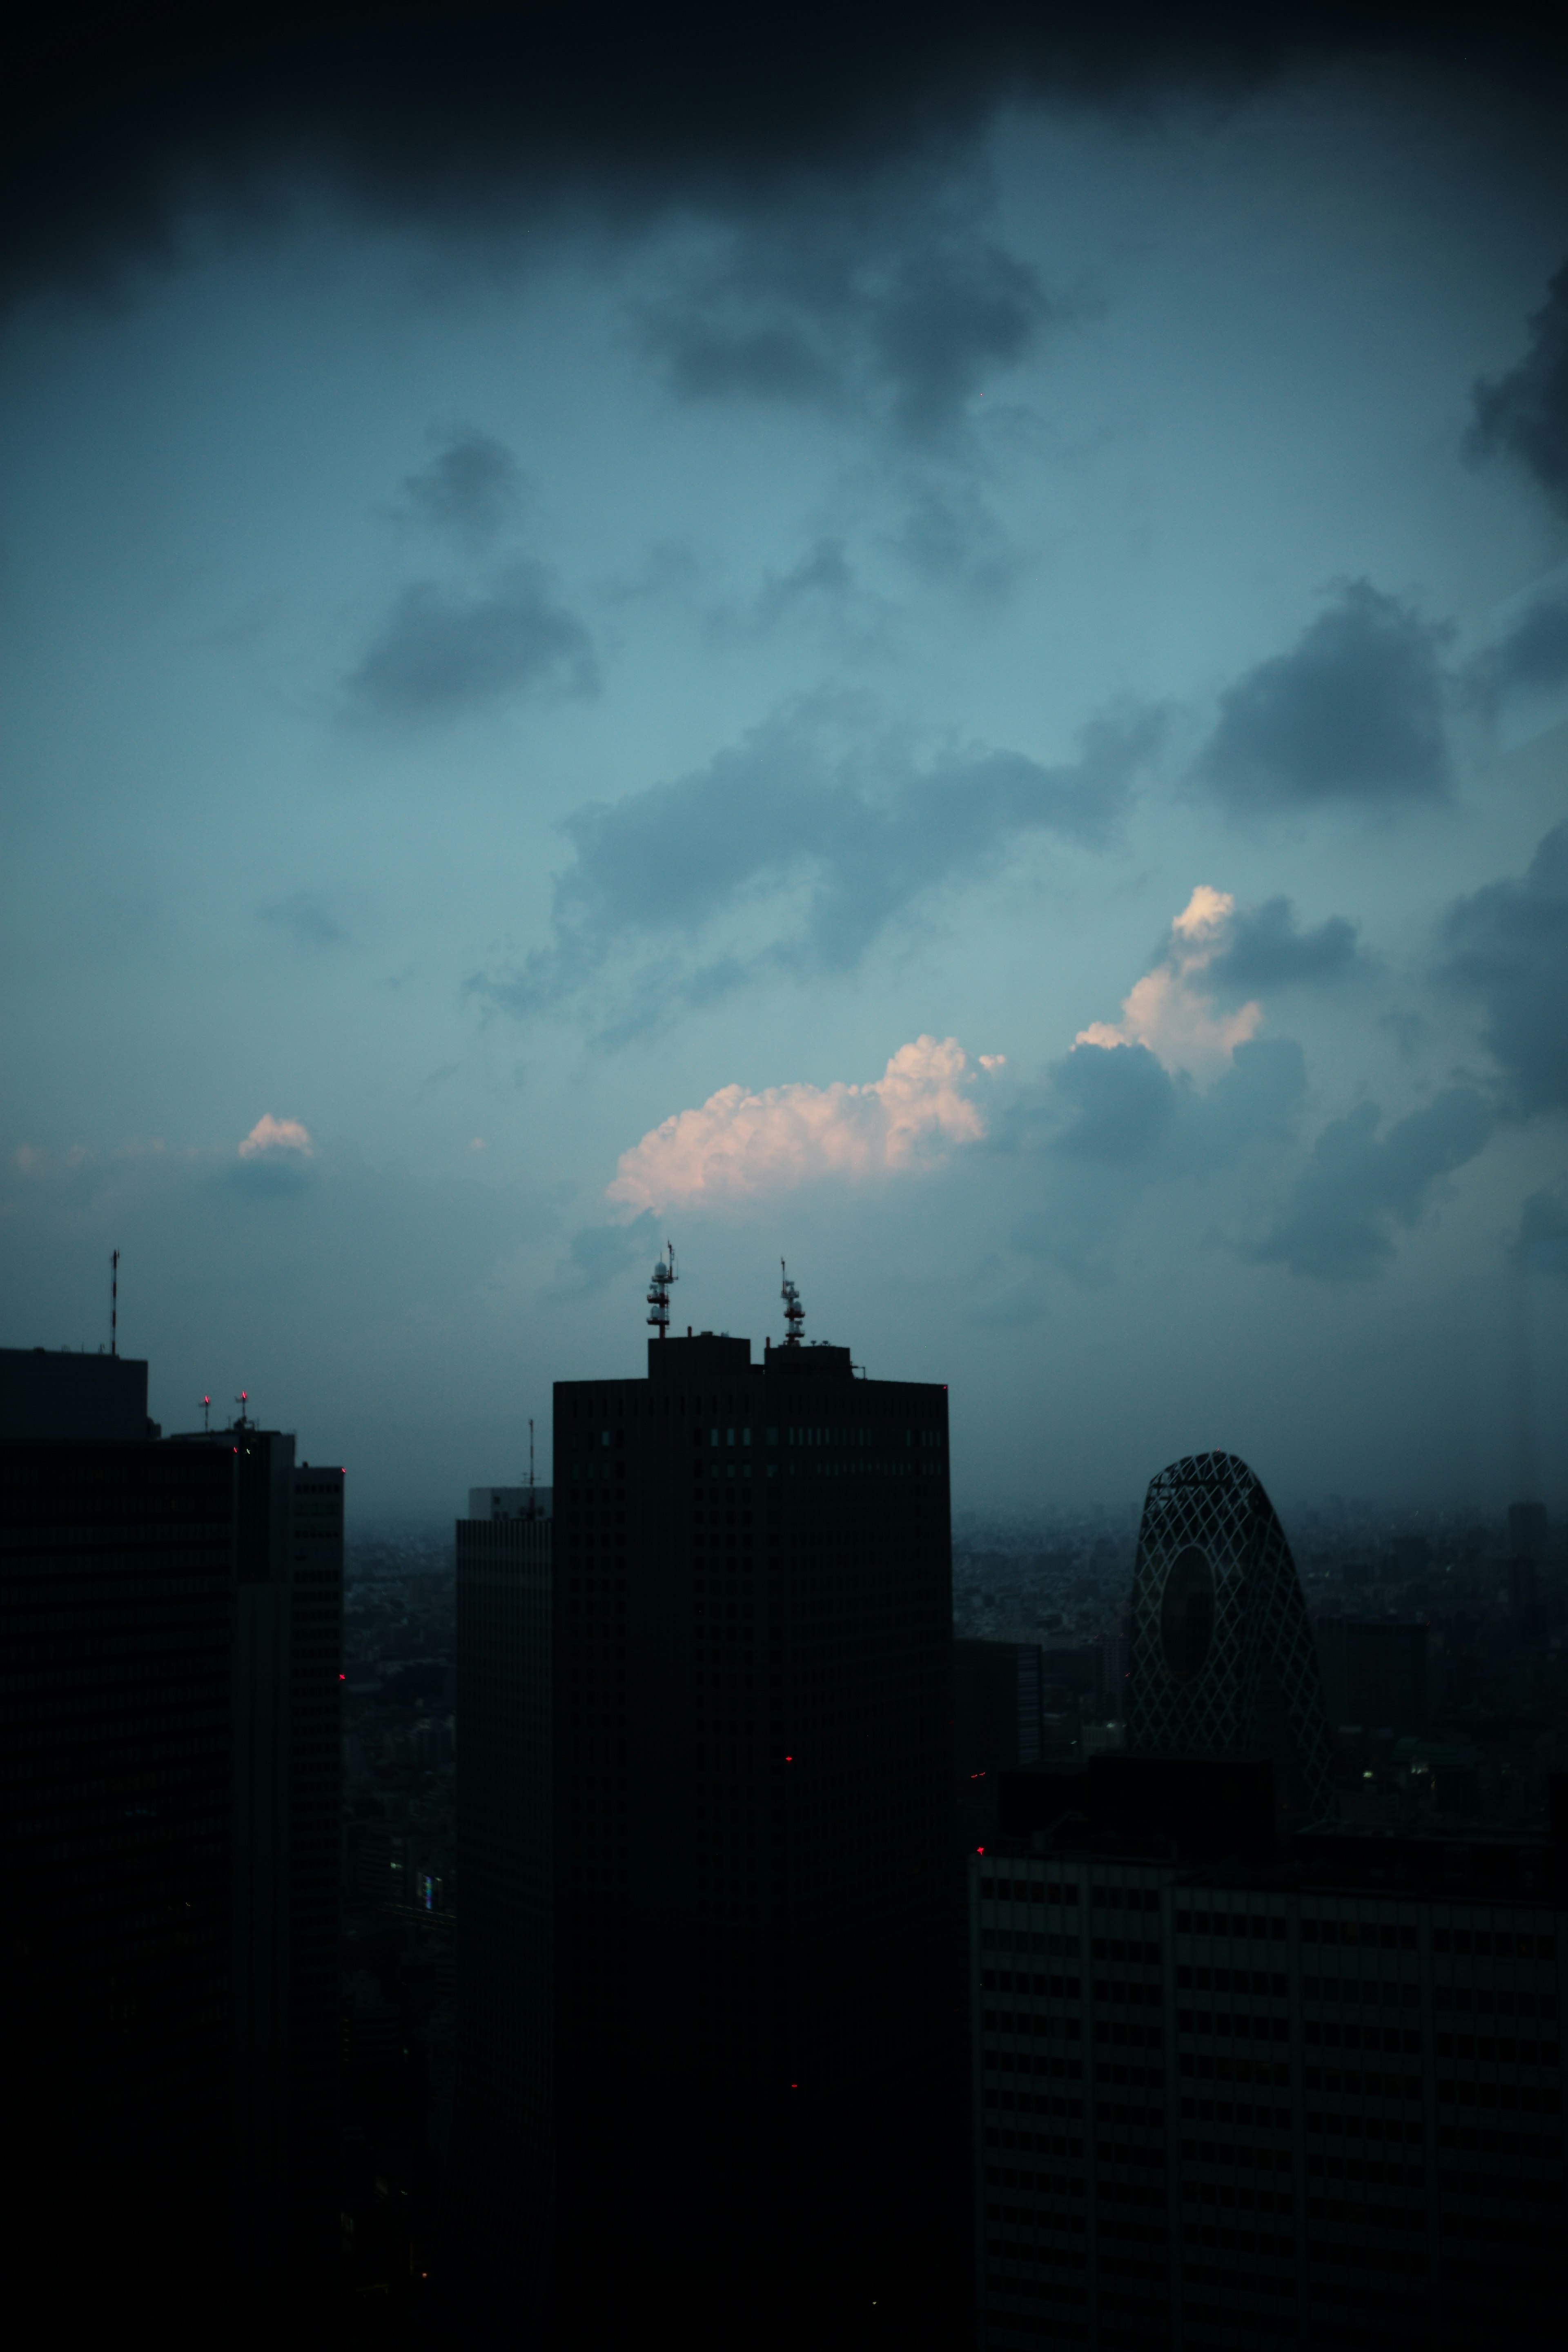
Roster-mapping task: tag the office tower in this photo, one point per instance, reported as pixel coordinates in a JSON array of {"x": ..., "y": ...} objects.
[
  {"x": 172, "y": 1615},
  {"x": 1374, "y": 1672},
  {"x": 509, "y": 1503},
  {"x": 1528, "y": 1530},
  {"x": 996, "y": 1723},
  {"x": 744, "y": 1917},
  {"x": 1221, "y": 1662},
  {"x": 505, "y": 1859},
  {"x": 1236, "y": 2090}
]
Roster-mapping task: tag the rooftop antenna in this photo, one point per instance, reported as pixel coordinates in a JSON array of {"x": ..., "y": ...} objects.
[
  {"x": 795, "y": 1312},
  {"x": 664, "y": 1273},
  {"x": 242, "y": 1400},
  {"x": 114, "y": 1303},
  {"x": 207, "y": 1414}
]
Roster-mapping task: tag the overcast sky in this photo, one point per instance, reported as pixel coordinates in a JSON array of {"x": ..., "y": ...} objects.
[{"x": 972, "y": 694}]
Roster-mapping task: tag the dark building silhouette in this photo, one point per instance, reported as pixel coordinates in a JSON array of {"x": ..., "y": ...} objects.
[
  {"x": 1374, "y": 1672},
  {"x": 1245, "y": 2089},
  {"x": 996, "y": 1708},
  {"x": 171, "y": 1631},
  {"x": 730, "y": 1907},
  {"x": 1221, "y": 1662}
]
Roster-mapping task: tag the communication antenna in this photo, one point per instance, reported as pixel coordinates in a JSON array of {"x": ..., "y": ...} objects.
[
  {"x": 242, "y": 1400},
  {"x": 207, "y": 1414},
  {"x": 664, "y": 1273},
  {"x": 795, "y": 1312},
  {"x": 114, "y": 1303}
]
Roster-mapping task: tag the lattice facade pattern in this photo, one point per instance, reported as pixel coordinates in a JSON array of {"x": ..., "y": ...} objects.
[{"x": 1222, "y": 1658}]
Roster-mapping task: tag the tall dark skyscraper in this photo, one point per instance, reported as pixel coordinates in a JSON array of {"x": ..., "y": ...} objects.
[
  {"x": 741, "y": 1916},
  {"x": 1222, "y": 1659},
  {"x": 172, "y": 1615}
]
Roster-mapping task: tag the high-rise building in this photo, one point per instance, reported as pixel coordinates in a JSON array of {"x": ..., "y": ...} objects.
[
  {"x": 732, "y": 1900},
  {"x": 1221, "y": 1658},
  {"x": 996, "y": 1704},
  {"x": 1241, "y": 2089},
  {"x": 171, "y": 1631}
]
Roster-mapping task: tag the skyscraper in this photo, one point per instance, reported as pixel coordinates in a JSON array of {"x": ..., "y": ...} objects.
[
  {"x": 1237, "y": 2090},
  {"x": 172, "y": 1628},
  {"x": 742, "y": 1917},
  {"x": 1222, "y": 1659}
]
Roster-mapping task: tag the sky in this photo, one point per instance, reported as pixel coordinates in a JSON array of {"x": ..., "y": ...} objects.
[{"x": 948, "y": 665}]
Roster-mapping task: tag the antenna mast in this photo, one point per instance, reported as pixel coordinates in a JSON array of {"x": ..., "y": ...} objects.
[
  {"x": 207, "y": 1414},
  {"x": 664, "y": 1273},
  {"x": 795, "y": 1312},
  {"x": 114, "y": 1303}
]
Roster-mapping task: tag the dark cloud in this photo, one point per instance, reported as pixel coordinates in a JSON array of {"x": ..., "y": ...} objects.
[
  {"x": 1121, "y": 1103},
  {"x": 1267, "y": 949},
  {"x": 860, "y": 826},
  {"x": 1508, "y": 945},
  {"x": 304, "y": 916},
  {"x": 1542, "y": 1242},
  {"x": 1524, "y": 413},
  {"x": 1357, "y": 1185},
  {"x": 1522, "y": 679},
  {"x": 1353, "y": 712},
  {"x": 438, "y": 653},
  {"x": 899, "y": 300},
  {"x": 113, "y": 121},
  {"x": 472, "y": 486}
]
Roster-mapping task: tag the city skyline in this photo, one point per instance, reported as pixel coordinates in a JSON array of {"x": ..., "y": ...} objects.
[{"x": 969, "y": 692}]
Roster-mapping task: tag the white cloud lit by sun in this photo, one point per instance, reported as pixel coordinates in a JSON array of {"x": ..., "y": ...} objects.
[{"x": 1169, "y": 1011}]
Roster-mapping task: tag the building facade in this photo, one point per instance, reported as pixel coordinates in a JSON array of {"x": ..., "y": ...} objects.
[
  {"x": 170, "y": 1644},
  {"x": 743, "y": 1916},
  {"x": 1221, "y": 1658},
  {"x": 1297, "y": 2092}
]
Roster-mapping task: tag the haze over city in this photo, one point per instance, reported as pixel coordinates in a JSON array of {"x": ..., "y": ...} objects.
[{"x": 972, "y": 693}]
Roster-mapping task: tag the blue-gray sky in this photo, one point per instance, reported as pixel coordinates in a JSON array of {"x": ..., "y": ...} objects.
[{"x": 555, "y": 705}]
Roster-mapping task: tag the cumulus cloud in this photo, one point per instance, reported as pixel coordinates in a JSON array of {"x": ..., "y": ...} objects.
[
  {"x": 1524, "y": 413},
  {"x": 472, "y": 487},
  {"x": 1358, "y": 1185},
  {"x": 600, "y": 1254},
  {"x": 438, "y": 652},
  {"x": 1170, "y": 1011},
  {"x": 1508, "y": 946},
  {"x": 739, "y": 1145},
  {"x": 837, "y": 829},
  {"x": 271, "y": 1135},
  {"x": 1353, "y": 713},
  {"x": 1266, "y": 948}
]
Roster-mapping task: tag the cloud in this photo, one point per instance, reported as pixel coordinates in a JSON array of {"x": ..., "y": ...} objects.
[
  {"x": 1524, "y": 413},
  {"x": 741, "y": 1145},
  {"x": 1121, "y": 1103},
  {"x": 600, "y": 1254},
  {"x": 271, "y": 1135},
  {"x": 470, "y": 122},
  {"x": 1169, "y": 1011},
  {"x": 1508, "y": 946},
  {"x": 1266, "y": 949},
  {"x": 472, "y": 487},
  {"x": 1521, "y": 680},
  {"x": 305, "y": 917},
  {"x": 897, "y": 300},
  {"x": 1353, "y": 713},
  {"x": 438, "y": 653},
  {"x": 842, "y": 829},
  {"x": 1358, "y": 1185},
  {"x": 950, "y": 538},
  {"x": 1541, "y": 1241}
]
